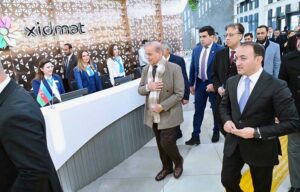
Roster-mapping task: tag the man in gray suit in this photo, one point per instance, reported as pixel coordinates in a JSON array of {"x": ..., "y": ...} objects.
[
  {"x": 163, "y": 85},
  {"x": 271, "y": 63}
]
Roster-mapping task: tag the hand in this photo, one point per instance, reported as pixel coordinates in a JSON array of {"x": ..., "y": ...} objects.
[
  {"x": 157, "y": 108},
  {"x": 246, "y": 133},
  {"x": 192, "y": 90},
  {"x": 210, "y": 88},
  {"x": 155, "y": 86},
  {"x": 229, "y": 127},
  {"x": 221, "y": 91},
  {"x": 184, "y": 102}
]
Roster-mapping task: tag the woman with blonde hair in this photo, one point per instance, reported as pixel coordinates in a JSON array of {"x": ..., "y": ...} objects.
[
  {"x": 86, "y": 73},
  {"x": 115, "y": 64}
]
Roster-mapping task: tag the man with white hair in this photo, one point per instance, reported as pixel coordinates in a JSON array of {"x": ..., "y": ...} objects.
[
  {"x": 162, "y": 84},
  {"x": 26, "y": 164}
]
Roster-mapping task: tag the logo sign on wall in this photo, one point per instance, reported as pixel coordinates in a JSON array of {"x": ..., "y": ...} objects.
[
  {"x": 50, "y": 29},
  {"x": 8, "y": 33}
]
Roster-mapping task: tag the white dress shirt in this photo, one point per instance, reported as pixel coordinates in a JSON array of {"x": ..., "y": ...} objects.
[
  {"x": 206, "y": 59},
  {"x": 114, "y": 70},
  {"x": 4, "y": 83},
  {"x": 253, "y": 80}
]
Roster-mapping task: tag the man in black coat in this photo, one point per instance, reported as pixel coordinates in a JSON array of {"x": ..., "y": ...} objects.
[
  {"x": 69, "y": 62},
  {"x": 224, "y": 64},
  {"x": 25, "y": 162},
  {"x": 290, "y": 72},
  {"x": 179, "y": 61},
  {"x": 248, "y": 109}
]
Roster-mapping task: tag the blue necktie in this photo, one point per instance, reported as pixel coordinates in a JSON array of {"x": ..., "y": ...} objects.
[{"x": 245, "y": 96}]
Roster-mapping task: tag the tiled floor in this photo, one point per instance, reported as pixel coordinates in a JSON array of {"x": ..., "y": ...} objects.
[{"x": 202, "y": 166}]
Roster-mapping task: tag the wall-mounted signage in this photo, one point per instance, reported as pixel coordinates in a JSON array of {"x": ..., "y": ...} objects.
[{"x": 39, "y": 30}]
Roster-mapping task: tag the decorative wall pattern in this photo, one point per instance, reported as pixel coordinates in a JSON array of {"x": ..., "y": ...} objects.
[{"x": 124, "y": 22}]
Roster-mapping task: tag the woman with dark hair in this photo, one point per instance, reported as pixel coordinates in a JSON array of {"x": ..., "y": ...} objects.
[
  {"x": 52, "y": 82},
  {"x": 86, "y": 73},
  {"x": 114, "y": 64}
]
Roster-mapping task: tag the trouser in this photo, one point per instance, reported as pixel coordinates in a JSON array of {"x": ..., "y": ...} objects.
[
  {"x": 294, "y": 159},
  {"x": 166, "y": 143},
  {"x": 231, "y": 174},
  {"x": 201, "y": 96}
]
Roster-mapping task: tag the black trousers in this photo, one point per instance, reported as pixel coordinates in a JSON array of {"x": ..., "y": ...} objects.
[
  {"x": 168, "y": 150},
  {"x": 231, "y": 174}
]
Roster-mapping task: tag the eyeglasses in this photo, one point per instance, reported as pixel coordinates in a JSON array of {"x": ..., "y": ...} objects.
[{"x": 231, "y": 34}]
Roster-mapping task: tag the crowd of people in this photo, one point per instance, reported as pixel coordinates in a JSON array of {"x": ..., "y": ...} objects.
[{"x": 253, "y": 88}]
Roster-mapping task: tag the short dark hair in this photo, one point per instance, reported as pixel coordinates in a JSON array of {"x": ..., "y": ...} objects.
[
  {"x": 248, "y": 34},
  {"x": 210, "y": 30},
  {"x": 144, "y": 41},
  {"x": 258, "y": 49},
  {"x": 69, "y": 45},
  {"x": 237, "y": 26},
  {"x": 262, "y": 26},
  {"x": 277, "y": 30}
]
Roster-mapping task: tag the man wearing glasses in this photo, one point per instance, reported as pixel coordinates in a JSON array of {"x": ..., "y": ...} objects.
[{"x": 224, "y": 65}]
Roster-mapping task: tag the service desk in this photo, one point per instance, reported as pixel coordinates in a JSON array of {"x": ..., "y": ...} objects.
[{"x": 88, "y": 136}]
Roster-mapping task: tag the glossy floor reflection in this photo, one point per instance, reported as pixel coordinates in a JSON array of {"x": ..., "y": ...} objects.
[{"x": 202, "y": 165}]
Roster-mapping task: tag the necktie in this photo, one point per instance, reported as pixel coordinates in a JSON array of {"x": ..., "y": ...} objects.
[
  {"x": 245, "y": 96},
  {"x": 203, "y": 65},
  {"x": 154, "y": 71},
  {"x": 231, "y": 57},
  {"x": 66, "y": 62}
]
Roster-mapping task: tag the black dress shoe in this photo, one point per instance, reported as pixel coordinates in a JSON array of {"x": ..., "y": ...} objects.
[
  {"x": 162, "y": 174},
  {"x": 215, "y": 138},
  {"x": 178, "y": 170},
  {"x": 193, "y": 141}
]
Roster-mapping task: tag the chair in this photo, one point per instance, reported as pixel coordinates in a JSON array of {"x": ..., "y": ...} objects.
[{"x": 105, "y": 81}]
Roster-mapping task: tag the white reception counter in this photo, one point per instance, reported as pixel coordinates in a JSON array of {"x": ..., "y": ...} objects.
[{"x": 73, "y": 123}]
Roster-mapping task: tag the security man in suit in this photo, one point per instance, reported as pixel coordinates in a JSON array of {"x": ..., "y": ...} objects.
[
  {"x": 179, "y": 61},
  {"x": 224, "y": 64},
  {"x": 251, "y": 102},
  {"x": 290, "y": 72},
  {"x": 201, "y": 83},
  {"x": 26, "y": 164},
  {"x": 69, "y": 62},
  {"x": 163, "y": 85}
]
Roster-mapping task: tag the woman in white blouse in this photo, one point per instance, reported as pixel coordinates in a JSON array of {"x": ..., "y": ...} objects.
[{"x": 115, "y": 64}]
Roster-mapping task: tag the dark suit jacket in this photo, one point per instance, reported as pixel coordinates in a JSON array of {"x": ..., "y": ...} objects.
[
  {"x": 220, "y": 68},
  {"x": 68, "y": 73},
  {"x": 194, "y": 68},
  {"x": 26, "y": 164},
  {"x": 290, "y": 72},
  {"x": 36, "y": 85},
  {"x": 180, "y": 61},
  {"x": 269, "y": 98}
]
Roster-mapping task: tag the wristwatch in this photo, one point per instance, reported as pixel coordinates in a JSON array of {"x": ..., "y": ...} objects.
[{"x": 256, "y": 134}]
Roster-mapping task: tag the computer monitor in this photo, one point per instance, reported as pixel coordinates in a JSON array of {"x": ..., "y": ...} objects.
[
  {"x": 122, "y": 80},
  {"x": 73, "y": 94}
]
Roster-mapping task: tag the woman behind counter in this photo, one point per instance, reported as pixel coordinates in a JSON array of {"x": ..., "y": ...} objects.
[
  {"x": 52, "y": 82},
  {"x": 115, "y": 64},
  {"x": 86, "y": 73}
]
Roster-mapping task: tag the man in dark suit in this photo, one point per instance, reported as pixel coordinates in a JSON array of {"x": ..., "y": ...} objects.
[
  {"x": 26, "y": 164},
  {"x": 179, "y": 61},
  {"x": 290, "y": 72},
  {"x": 69, "y": 62},
  {"x": 278, "y": 39},
  {"x": 251, "y": 102},
  {"x": 224, "y": 64},
  {"x": 200, "y": 82},
  {"x": 163, "y": 85}
]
